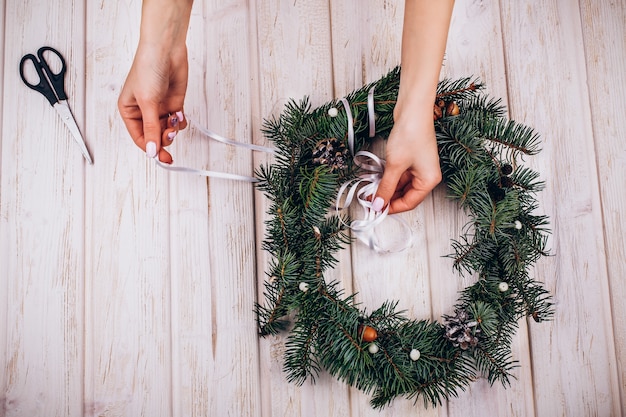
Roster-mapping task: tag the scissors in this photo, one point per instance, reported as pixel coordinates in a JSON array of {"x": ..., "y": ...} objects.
[{"x": 52, "y": 86}]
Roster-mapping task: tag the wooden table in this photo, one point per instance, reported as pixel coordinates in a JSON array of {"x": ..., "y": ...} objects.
[{"x": 126, "y": 290}]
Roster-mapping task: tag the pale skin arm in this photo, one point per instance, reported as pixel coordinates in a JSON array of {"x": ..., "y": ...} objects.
[
  {"x": 151, "y": 101},
  {"x": 412, "y": 169}
]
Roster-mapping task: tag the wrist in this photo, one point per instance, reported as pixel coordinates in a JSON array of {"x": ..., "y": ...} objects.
[
  {"x": 164, "y": 23},
  {"x": 414, "y": 110}
]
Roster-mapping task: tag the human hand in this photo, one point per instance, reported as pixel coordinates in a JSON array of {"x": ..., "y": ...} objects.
[
  {"x": 412, "y": 166},
  {"x": 151, "y": 101},
  {"x": 412, "y": 169}
]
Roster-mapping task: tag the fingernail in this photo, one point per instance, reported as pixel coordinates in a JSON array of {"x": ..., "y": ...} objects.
[
  {"x": 180, "y": 115},
  {"x": 378, "y": 204},
  {"x": 171, "y": 135},
  {"x": 151, "y": 149}
]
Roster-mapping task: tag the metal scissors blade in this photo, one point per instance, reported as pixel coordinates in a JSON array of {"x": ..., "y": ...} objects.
[
  {"x": 63, "y": 109},
  {"x": 52, "y": 86}
]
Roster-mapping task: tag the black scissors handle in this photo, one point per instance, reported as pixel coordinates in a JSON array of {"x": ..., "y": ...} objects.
[{"x": 51, "y": 84}]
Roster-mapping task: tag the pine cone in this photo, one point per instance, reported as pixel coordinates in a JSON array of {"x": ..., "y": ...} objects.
[
  {"x": 461, "y": 332},
  {"x": 330, "y": 152}
]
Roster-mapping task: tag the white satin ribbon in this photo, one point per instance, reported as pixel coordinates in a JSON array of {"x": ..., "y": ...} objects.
[
  {"x": 364, "y": 188},
  {"x": 371, "y": 114},
  {"x": 206, "y": 173},
  {"x": 346, "y": 106},
  {"x": 216, "y": 174},
  {"x": 231, "y": 142}
]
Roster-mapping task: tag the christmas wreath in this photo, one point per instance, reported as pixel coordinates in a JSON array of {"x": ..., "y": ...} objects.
[{"x": 384, "y": 353}]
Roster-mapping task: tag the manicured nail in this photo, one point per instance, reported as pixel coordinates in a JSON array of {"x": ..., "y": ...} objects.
[
  {"x": 151, "y": 150},
  {"x": 181, "y": 116},
  {"x": 171, "y": 135},
  {"x": 378, "y": 204}
]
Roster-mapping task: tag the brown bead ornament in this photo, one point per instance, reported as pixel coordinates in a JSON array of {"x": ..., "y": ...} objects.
[
  {"x": 368, "y": 334},
  {"x": 452, "y": 109}
]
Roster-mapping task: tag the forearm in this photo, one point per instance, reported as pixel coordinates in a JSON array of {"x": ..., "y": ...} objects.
[
  {"x": 424, "y": 36},
  {"x": 165, "y": 22}
]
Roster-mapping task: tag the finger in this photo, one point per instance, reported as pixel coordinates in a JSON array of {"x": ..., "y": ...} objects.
[
  {"x": 131, "y": 116},
  {"x": 173, "y": 121},
  {"x": 411, "y": 197},
  {"x": 407, "y": 201},
  {"x": 151, "y": 130},
  {"x": 397, "y": 194},
  {"x": 165, "y": 122},
  {"x": 405, "y": 180},
  {"x": 386, "y": 189},
  {"x": 168, "y": 136},
  {"x": 165, "y": 156},
  {"x": 182, "y": 120},
  {"x": 403, "y": 184},
  {"x": 135, "y": 129}
]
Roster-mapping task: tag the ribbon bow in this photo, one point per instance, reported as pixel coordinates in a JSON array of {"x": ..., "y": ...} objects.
[{"x": 364, "y": 187}]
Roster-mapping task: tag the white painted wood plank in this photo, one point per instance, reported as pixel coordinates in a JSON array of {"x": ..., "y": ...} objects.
[
  {"x": 128, "y": 357},
  {"x": 41, "y": 220},
  {"x": 192, "y": 304},
  {"x": 4, "y": 243},
  {"x": 573, "y": 356},
  {"x": 215, "y": 339},
  {"x": 294, "y": 60},
  {"x": 474, "y": 49},
  {"x": 604, "y": 35},
  {"x": 366, "y": 41}
]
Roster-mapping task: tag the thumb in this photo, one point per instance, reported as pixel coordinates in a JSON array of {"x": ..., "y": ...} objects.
[
  {"x": 151, "y": 130},
  {"x": 386, "y": 189}
]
